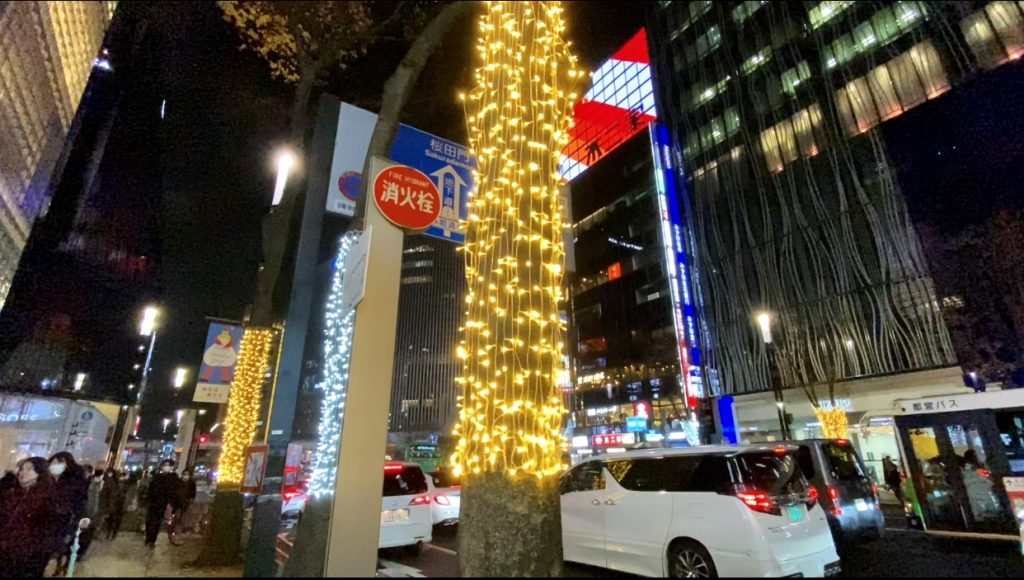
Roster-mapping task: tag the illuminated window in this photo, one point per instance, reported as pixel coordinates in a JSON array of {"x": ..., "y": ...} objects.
[
  {"x": 418, "y": 249},
  {"x": 882, "y": 28},
  {"x": 826, "y": 11},
  {"x": 746, "y": 10},
  {"x": 417, "y": 279},
  {"x": 417, "y": 264},
  {"x": 892, "y": 88},
  {"x": 703, "y": 95},
  {"x": 759, "y": 58},
  {"x": 995, "y": 34},
  {"x": 792, "y": 78},
  {"x": 792, "y": 139},
  {"x": 719, "y": 129}
]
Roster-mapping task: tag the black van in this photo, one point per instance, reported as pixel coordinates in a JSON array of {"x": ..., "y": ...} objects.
[{"x": 845, "y": 490}]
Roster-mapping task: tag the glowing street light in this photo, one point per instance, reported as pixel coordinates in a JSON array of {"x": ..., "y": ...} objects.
[
  {"x": 148, "y": 323},
  {"x": 180, "y": 374},
  {"x": 764, "y": 321},
  {"x": 285, "y": 162},
  {"x": 79, "y": 381},
  {"x": 166, "y": 423}
]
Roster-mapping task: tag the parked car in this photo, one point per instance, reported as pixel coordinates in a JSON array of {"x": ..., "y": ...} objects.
[
  {"x": 846, "y": 492},
  {"x": 446, "y": 498},
  {"x": 405, "y": 508},
  {"x": 696, "y": 512}
]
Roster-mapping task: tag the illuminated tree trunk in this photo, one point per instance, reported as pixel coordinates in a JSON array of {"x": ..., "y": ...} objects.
[{"x": 510, "y": 448}]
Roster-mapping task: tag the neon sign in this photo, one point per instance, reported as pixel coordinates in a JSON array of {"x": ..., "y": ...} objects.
[{"x": 619, "y": 105}]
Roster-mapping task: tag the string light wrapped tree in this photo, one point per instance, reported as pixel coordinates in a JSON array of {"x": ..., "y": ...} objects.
[{"x": 510, "y": 449}]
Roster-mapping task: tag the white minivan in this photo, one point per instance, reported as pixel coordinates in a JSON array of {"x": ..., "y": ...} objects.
[
  {"x": 405, "y": 508},
  {"x": 696, "y": 512}
]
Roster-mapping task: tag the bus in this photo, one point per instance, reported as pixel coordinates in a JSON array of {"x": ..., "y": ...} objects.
[{"x": 962, "y": 454}]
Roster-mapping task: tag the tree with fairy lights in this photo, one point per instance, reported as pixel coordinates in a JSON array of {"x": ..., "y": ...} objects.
[{"x": 510, "y": 450}]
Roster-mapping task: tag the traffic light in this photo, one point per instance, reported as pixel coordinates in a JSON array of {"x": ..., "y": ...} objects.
[{"x": 203, "y": 438}]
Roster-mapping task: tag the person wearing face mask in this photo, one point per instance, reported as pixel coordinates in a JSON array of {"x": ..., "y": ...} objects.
[
  {"x": 72, "y": 494},
  {"x": 30, "y": 528},
  {"x": 163, "y": 490}
]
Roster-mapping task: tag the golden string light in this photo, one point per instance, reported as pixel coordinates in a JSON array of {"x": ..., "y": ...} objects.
[
  {"x": 834, "y": 423},
  {"x": 510, "y": 412},
  {"x": 244, "y": 402}
]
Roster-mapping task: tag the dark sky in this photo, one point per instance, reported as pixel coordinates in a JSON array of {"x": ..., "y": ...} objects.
[{"x": 225, "y": 115}]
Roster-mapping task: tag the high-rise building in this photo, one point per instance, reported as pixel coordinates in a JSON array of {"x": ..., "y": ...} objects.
[
  {"x": 47, "y": 52},
  {"x": 632, "y": 332},
  {"x": 797, "y": 211}
]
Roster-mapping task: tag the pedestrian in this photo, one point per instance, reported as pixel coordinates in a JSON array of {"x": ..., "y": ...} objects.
[
  {"x": 892, "y": 477},
  {"x": 7, "y": 483},
  {"x": 132, "y": 519},
  {"x": 112, "y": 502},
  {"x": 92, "y": 503},
  {"x": 31, "y": 530},
  {"x": 186, "y": 492},
  {"x": 72, "y": 494},
  {"x": 162, "y": 491}
]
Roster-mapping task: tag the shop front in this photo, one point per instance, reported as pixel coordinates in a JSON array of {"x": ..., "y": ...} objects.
[{"x": 869, "y": 405}]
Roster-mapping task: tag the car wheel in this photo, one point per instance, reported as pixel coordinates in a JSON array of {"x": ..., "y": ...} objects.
[
  {"x": 689, "y": 559},
  {"x": 415, "y": 549}
]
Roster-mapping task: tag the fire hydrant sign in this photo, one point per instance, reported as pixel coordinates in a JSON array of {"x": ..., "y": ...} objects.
[{"x": 406, "y": 197}]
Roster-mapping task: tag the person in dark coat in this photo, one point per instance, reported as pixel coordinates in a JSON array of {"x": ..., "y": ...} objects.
[
  {"x": 7, "y": 483},
  {"x": 112, "y": 502},
  {"x": 186, "y": 492},
  {"x": 30, "y": 524},
  {"x": 72, "y": 488},
  {"x": 163, "y": 491}
]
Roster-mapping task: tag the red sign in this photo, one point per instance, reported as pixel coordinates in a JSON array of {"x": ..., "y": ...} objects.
[
  {"x": 615, "y": 271},
  {"x": 614, "y": 439},
  {"x": 642, "y": 409},
  {"x": 407, "y": 197}
]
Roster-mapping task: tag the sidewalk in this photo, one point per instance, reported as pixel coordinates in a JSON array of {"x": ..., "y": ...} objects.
[{"x": 127, "y": 557}]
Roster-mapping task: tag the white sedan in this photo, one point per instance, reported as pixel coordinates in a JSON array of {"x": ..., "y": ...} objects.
[{"x": 444, "y": 501}]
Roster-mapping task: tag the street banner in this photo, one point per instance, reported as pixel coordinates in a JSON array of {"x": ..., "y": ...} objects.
[{"x": 218, "y": 366}]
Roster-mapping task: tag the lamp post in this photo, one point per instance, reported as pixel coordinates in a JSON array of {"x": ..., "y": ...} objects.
[
  {"x": 147, "y": 327},
  {"x": 764, "y": 322}
]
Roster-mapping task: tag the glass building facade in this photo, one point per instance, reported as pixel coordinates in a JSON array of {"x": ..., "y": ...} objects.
[
  {"x": 796, "y": 205},
  {"x": 47, "y": 50}
]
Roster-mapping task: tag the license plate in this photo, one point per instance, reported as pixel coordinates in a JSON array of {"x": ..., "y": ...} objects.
[
  {"x": 862, "y": 506},
  {"x": 388, "y": 516},
  {"x": 796, "y": 513}
]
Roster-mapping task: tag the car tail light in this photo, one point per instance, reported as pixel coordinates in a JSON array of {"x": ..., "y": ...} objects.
[
  {"x": 441, "y": 499},
  {"x": 756, "y": 500},
  {"x": 833, "y": 494},
  {"x": 392, "y": 467},
  {"x": 812, "y": 497},
  {"x": 420, "y": 500},
  {"x": 874, "y": 490}
]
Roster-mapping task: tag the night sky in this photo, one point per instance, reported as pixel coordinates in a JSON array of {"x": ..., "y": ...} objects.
[{"x": 226, "y": 115}]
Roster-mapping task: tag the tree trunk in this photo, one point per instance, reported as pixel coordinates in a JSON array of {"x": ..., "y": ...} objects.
[
  {"x": 276, "y": 224},
  {"x": 399, "y": 87},
  {"x": 514, "y": 528}
]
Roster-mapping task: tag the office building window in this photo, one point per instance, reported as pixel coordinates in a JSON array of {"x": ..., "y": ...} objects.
[
  {"x": 757, "y": 60},
  {"x": 719, "y": 129},
  {"x": 826, "y": 11},
  {"x": 995, "y": 34},
  {"x": 882, "y": 28},
  {"x": 892, "y": 88},
  {"x": 702, "y": 95},
  {"x": 792, "y": 78},
  {"x": 746, "y": 10},
  {"x": 792, "y": 139},
  {"x": 417, "y": 279},
  {"x": 417, "y": 264}
]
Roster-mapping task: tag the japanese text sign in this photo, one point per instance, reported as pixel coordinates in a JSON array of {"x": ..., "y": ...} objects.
[{"x": 406, "y": 197}]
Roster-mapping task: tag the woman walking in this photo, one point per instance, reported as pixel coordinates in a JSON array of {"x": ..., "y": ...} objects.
[
  {"x": 72, "y": 494},
  {"x": 30, "y": 524},
  {"x": 112, "y": 502}
]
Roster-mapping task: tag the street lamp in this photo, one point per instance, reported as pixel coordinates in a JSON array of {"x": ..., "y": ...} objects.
[
  {"x": 147, "y": 327},
  {"x": 79, "y": 381},
  {"x": 764, "y": 322},
  {"x": 285, "y": 163},
  {"x": 180, "y": 374}
]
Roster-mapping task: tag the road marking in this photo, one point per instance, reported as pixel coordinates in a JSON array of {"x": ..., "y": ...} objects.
[
  {"x": 396, "y": 570},
  {"x": 441, "y": 549}
]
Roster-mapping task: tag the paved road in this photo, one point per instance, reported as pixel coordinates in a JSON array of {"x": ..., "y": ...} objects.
[{"x": 901, "y": 553}]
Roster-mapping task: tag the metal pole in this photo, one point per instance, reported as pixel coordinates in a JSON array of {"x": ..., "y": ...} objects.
[
  {"x": 133, "y": 412},
  {"x": 775, "y": 376}
]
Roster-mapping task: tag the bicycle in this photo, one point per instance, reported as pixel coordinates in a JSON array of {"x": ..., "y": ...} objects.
[
  {"x": 175, "y": 530},
  {"x": 178, "y": 530}
]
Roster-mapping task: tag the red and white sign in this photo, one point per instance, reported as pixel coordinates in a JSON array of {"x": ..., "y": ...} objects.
[
  {"x": 406, "y": 197},
  {"x": 614, "y": 440}
]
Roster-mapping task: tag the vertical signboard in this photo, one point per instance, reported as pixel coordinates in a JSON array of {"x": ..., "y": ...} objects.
[
  {"x": 446, "y": 163},
  {"x": 218, "y": 366}
]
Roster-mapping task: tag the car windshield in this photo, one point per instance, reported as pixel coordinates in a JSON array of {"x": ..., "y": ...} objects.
[
  {"x": 773, "y": 472},
  {"x": 842, "y": 460},
  {"x": 408, "y": 480}
]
